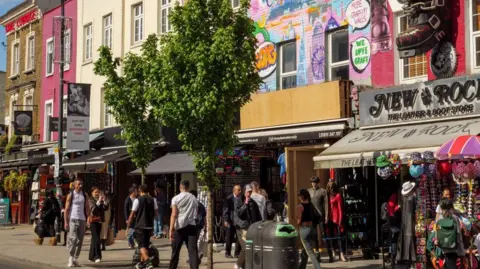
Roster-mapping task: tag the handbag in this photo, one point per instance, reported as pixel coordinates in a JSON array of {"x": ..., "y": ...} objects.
[
  {"x": 94, "y": 219},
  {"x": 110, "y": 237}
]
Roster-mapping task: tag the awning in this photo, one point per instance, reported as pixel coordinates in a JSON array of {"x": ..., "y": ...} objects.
[
  {"x": 361, "y": 147},
  {"x": 13, "y": 165},
  {"x": 172, "y": 163},
  {"x": 95, "y": 159},
  {"x": 308, "y": 131}
]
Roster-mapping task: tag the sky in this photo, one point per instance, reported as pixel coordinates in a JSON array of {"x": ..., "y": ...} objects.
[{"x": 5, "y": 5}]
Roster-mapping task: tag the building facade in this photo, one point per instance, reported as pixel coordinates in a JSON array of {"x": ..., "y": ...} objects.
[
  {"x": 49, "y": 106},
  {"x": 23, "y": 25}
]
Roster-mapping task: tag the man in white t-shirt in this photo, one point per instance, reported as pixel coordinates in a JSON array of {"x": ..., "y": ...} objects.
[
  {"x": 445, "y": 194},
  {"x": 183, "y": 226}
]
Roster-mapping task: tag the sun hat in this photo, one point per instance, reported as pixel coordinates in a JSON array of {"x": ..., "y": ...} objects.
[
  {"x": 382, "y": 161},
  {"x": 429, "y": 157},
  {"x": 408, "y": 187},
  {"x": 416, "y": 158}
]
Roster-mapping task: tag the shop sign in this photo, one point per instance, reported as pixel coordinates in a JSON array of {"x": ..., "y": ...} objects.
[
  {"x": 266, "y": 57},
  {"x": 345, "y": 163},
  {"x": 23, "y": 20},
  {"x": 430, "y": 100},
  {"x": 23, "y": 122},
  {"x": 291, "y": 137}
]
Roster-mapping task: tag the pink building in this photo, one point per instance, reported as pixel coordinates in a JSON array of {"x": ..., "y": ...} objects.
[{"x": 50, "y": 68}]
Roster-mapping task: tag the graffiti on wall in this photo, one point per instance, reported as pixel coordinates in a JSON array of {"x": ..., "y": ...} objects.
[
  {"x": 306, "y": 22},
  {"x": 381, "y": 32}
]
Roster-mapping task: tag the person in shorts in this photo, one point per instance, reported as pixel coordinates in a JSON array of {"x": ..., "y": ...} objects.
[{"x": 144, "y": 211}]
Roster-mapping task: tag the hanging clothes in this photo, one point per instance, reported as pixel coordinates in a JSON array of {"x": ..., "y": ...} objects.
[{"x": 406, "y": 242}]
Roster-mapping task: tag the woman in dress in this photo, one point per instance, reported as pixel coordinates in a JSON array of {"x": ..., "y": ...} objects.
[{"x": 96, "y": 217}]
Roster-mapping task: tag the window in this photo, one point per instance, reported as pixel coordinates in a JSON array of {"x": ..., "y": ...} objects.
[
  {"x": 16, "y": 58},
  {"x": 29, "y": 107},
  {"x": 476, "y": 32},
  {"x": 412, "y": 67},
  {"x": 288, "y": 65},
  {"x": 235, "y": 4},
  {"x": 107, "y": 31},
  {"x": 338, "y": 55},
  {"x": 88, "y": 45},
  {"x": 13, "y": 103},
  {"x": 166, "y": 10},
  {"x": 137, "y": 23},
  {"x": 30, "y": 53},
  {"x": 67, "y": 49},
  {"x": 48, "y": 114},
  {"x": 50, "y": 49},
  {"x": 107, "y": 116}
]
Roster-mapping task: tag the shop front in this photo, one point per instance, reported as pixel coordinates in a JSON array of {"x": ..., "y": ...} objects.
[{"x": 401, "y": 130}]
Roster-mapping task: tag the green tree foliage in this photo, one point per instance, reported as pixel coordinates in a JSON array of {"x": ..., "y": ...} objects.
[
  {"x": 126, "y": 96},
  {"x": 204, "y": 73}
]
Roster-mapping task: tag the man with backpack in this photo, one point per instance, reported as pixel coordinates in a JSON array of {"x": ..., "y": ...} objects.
[
  {"x": 448, "y": 235},
  {"x": 144, "y": 210},
  {"x": 200, "y": 225},
  {"x": 75, "y": 219}
]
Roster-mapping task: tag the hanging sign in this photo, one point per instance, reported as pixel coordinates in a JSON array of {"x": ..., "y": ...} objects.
[
  {"x": 23, "y": 121},
  {"x": 445, "y": 98},
  {"x": 53, "y": 123},
  {"x": 78, "y": 116}
]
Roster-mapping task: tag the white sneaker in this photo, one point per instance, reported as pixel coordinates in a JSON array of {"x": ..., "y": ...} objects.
[
  {"x": 236, "y": 267},
  {"x": 70, "y": 262},
  {"x": 98, "y": 261},
  {"x": 75, "y": 262}
]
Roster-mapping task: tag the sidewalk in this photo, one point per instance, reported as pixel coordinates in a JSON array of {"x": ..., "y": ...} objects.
[{"x": 18, "y": 244}]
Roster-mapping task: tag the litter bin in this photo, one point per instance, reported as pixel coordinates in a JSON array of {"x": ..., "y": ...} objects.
[{"x": 271, "y": 245}]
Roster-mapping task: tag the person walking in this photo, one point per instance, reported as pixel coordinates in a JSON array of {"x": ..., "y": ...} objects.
[
  {"x": 308, "y": 233},
  {"x": 259, "y": 199},
  {"x": 183, "y": 226},
  {"x": 228, "y": 216},
  {"x": 161, "y": 199},
  {"x": 48, "y": 214},
  {"x": 75, "y": 219},
  {"x": 96, "y": 217},
  {"x": 107, "y": 221},
  {"x": 247, "y": 212},
  {"x": 319, "y": 199},
  {"x": 144, "y": 212},
  {"x": 127, "y": 209},
  {"x": 199, "y": 225}
]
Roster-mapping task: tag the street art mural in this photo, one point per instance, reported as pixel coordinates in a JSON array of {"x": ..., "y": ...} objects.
[{"x": 307, "y": 22}]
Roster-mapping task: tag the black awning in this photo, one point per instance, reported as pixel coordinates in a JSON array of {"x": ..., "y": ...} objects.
[
  {"x": 172, "y": 163},
  {"x": 95, "y": 159}
]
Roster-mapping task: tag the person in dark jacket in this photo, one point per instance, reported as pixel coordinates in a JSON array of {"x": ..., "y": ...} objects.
[
  {"x": 228, "y": 217},
  {"x": 98, "y": 205},
  {"x": 48, "y": 214},
  {"x": 127, "y": 209},
  {"x": 247, "y": 212}
]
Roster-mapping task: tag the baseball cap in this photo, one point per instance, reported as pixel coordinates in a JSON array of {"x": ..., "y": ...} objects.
[{"x": 248, "y": 187}]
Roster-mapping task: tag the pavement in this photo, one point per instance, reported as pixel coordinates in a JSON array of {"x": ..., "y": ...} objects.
[{"x": 17, "y": 250}]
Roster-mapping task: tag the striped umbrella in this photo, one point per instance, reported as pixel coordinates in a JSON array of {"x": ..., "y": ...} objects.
[{"x": 462, "y": 147}]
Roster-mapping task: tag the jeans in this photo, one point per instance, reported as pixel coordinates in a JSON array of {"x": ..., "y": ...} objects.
[
  {"x": 76, "y": 232},
  {"x": 130, "y": 237},
  {"x": 308, "y": 234},
  {"x": 158, "y": 225},
  {"x": 242, "y": 237},
  {"x": 395, "y": 235},
  {"x": 187, "y": 234},
  {"x": 332, "y": 232},
  {"x": 231, "y": 237}
]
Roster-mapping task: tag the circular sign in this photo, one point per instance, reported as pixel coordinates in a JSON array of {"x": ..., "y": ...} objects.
[
  {"x": 358, "y": 14},
  {"x": 360, "y": 54},
  {"x": 266, "y": 57}
]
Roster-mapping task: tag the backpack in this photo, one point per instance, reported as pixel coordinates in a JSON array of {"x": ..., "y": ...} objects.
[
  {"x": 447, "y": 233},
  {"x": 384, "y": 211}
]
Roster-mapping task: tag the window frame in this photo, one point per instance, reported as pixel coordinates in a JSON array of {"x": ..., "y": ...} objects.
[
  {"x": 30, "y": 52},
  {"x": 67, "y": 50},
  {"x": 106, "y": 116},
  {"x": 88, "y": 42},
  {"x": 26, "y": 97},
  {"x": 401, "y": 62},
  {"x": 167, "y": 7},
  {"x": 13, "y": 102},
  {"x": 47, "y": 53},
  {"x": 107, "y": 30},
  {"x": 15, "y": 60},
  {"x": 472, "y": 35},
  {"x": 330, "y": 65},
  {"x": 233, "y": 6},
  {"x": 141, "y": 19},
  {"x": 46, "y": 131},
  {"x": 288, "y": 74}
]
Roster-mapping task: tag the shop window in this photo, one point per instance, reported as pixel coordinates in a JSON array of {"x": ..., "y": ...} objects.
[
  {"x": 476, "y": 33},
  {"x": 412, "y": 67},
  {"x": 338, "y": 65},
  {"x": 288, "y": 65}
]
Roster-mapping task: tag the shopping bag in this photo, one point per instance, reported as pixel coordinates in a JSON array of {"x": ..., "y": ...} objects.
[{"x": 110, "y": 237}]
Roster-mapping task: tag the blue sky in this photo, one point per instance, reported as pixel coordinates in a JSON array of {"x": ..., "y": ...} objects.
[{"x": 5, "y": 5}]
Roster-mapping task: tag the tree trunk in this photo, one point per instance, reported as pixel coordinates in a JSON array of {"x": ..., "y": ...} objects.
[{"x": 210, "y": 229}]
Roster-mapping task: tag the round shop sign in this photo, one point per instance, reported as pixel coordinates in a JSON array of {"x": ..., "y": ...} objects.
[
  {"x": 360, "y": 54},
  {"x": 266, "y": 57},
  {"x": 358, "y": 14}
]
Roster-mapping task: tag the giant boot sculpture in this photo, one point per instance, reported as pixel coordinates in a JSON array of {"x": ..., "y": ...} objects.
[{"x": 429, "y": 22}]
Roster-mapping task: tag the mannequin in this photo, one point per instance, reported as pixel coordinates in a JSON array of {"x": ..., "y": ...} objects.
[
  {"x": 334, "y": 227},
  {"x": 406, "y": 243}
]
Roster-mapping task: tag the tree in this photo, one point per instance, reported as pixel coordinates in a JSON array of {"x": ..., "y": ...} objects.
[
  {"x": 203, "y": 75},
  {"x": 127, "y": 99}
]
